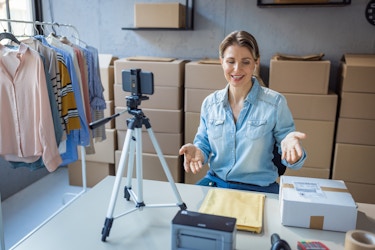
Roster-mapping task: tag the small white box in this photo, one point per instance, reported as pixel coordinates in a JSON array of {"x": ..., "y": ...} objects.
[{"x": 316, "y": 203}]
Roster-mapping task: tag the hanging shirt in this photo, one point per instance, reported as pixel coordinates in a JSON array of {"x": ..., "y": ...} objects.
[{"x": 26, "y": 129}]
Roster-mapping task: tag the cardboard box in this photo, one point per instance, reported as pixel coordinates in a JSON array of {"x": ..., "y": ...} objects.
[
  {"x": 358, "y": 72},
  {"x": 192, "y": 120},
  {"x": 95, "y": 172},
  {"x": 309, "y": 172},
  {"x": 104, "y": 150},
  {"x": 355, "y": 131},
  {"x": 194, "y": 98},
  {"x": 152, "y": 168},
  {"x": 159, "y": 15},
  {"x": 317, "y": 204},
  {"x": 318, "y": 143},
  {"x": 362, "y": 193},
  {"x": 163, "y": 98},
  {"x": 357, "y": 105},
  {"x": 161, "y": 120},
  {"x": 167, "y": 71},
  {"x": 108, "y": 112},
  {"x": 313, "y": 107},
  {"x": 303, "y": 77},
  {"x": 204, "y": 74},
  {"x": 354, "y": 163},
  {"x": 168, "y": 143},
  {"x": 107, "y": 74}
]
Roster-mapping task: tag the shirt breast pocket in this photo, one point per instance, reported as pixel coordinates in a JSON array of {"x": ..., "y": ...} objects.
[
  {"x": 256, "y": 129},
  {"x": 216, "y": 128}
]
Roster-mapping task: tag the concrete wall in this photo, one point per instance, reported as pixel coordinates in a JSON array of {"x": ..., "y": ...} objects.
[{"x": 294, "y": 30}]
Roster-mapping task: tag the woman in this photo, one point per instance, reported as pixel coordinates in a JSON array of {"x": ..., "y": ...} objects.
[{"x": 240, "y": 124}]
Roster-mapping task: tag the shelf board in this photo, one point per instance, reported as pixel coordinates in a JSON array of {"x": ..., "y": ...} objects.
[{"x": 261, "y": 3}]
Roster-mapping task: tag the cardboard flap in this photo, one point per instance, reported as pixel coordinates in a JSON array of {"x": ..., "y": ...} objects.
[
  {"x": 359, "y": 59},
  {"x": 151, "y": 59},
  {"x": 312, "y": 57},
  {"x": 106, "y": 60},
  {"x": 209, "y": 61}
]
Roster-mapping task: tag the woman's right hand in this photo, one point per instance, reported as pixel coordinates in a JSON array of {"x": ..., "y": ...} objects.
[{"x": 193, "y": 158}]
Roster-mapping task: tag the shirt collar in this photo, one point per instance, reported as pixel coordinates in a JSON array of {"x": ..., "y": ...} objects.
[{"x": 251, "y": 97}]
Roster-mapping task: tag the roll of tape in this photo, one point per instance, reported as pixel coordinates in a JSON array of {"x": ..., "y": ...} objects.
[{"x": 359, "y": 240}]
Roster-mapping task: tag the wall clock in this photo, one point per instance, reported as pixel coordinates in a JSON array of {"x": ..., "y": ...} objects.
[{"x": 370, "y": 12}]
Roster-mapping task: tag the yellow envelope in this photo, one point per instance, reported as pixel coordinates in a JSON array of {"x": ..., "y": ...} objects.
[{"x": 246, "y": 207}]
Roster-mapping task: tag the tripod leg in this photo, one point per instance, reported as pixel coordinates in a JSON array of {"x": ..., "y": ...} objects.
[
  {"x": 181, "y": 204},
  {"x": 130, "y": 168},
  {"x": 109, "y": 219}
]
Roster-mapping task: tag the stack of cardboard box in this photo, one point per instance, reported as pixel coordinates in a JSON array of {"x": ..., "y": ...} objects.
[
  {"x": 164, "y": 110},
  {"x": 102, "y": 162},
  {"x": 201, "y": 79},
  {"x": 304, "y": 83},
  {"x": 355, "y": 138}
]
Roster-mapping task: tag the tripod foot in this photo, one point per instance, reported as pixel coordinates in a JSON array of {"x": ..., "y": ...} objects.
[
  {"x": 107, "y": 227},
  {"x": 182, "y": 206}
]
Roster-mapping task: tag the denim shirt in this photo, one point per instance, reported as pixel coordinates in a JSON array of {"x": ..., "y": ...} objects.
[{"x": 242, "y": 151}]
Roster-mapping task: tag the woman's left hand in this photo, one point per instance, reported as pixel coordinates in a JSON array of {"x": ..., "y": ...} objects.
[{"x": 291, "y": 148}]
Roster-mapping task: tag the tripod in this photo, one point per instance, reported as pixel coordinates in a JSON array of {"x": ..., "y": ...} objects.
[{"x": 133, "y": 144}]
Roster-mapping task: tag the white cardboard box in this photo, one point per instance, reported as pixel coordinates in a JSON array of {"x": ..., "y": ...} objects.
[{"x": 316, "y": 203}]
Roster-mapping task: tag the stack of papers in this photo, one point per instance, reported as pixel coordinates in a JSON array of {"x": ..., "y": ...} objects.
[{"x": 246, "y": 207}]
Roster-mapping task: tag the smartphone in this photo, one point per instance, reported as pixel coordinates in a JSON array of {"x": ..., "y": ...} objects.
[{"x": 138, "y": 82}]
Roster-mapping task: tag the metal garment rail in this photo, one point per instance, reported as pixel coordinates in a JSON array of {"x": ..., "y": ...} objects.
[{"x": 83, "y": 150}]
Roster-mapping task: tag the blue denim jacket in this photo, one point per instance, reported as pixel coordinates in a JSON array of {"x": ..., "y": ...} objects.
[{"x": 242, "y": 151}]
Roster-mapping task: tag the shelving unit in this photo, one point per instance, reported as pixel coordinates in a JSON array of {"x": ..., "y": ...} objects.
[
  {"x": 189, "y": 15},
  {"x": 272, "y": 3}
]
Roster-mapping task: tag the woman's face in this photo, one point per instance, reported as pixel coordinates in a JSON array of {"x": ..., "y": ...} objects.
[{"x": 238, "y": 65}]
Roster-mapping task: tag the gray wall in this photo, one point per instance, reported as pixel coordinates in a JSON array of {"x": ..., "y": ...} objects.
[{"x": 295, "y": 30}]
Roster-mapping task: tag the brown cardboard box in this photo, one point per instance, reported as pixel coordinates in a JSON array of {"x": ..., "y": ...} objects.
[
  {"x": 199, "y": 75},
  {"x": 358, "y": 73},
  {"x": 161, "y": 120},
  {"x": 309, "y": 172},
  {"x": 167, "y": 72},
  {"x": 191, "y": 125},
  {"x": 107, "y": 74},
  {"x": 168, "y": 143},
  {"x": 152, "y": 168},
  {"x": 357, "y": 105},
  {"x": 354, "y": 163},
  {"x": 163, "y": 98},
  {"x": 104, "y": 150},
  {"x": 194, "y": 98},
  {"x": 108, "y": 112},
  {"x": 95, "y": 172},
  {"x": 159, "y": 15},
  {"x": 355, "y": 131},
  {"x": 303, "y": 77},
  {"x": 361, "y": 192},
  {"x": 313, "y": 107},
  {"x": 318, "y": 143}
]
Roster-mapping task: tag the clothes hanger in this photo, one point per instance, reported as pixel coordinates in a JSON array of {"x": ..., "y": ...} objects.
[{"x": 10, "y": 36}]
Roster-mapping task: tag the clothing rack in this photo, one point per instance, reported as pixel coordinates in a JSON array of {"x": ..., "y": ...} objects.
[{"x": 83, "y": 150}]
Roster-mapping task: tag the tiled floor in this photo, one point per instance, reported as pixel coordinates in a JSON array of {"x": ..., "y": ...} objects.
[{"x": 32, "y": 206}]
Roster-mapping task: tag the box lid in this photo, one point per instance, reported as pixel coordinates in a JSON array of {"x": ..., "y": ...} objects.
[
  {"x": 106, "y": 60},
  {"x": 315, "y": 190},
  {"x": 359, "y": 59}
]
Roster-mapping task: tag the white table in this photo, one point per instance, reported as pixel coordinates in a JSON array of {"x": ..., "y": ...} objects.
[{"x": 79, "y": 225}]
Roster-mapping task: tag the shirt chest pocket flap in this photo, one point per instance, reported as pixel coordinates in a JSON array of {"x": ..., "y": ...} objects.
[{"x": 256, "y": 128}]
